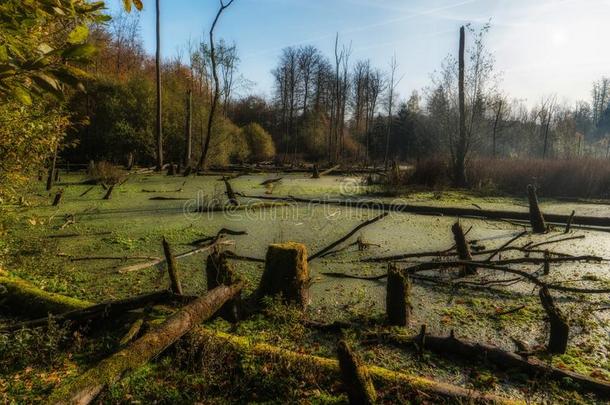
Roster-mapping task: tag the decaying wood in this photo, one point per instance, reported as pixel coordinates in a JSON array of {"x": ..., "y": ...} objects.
[
  {"x": 172, "y": 268},
  {"x": 87, "y": 191},
  {"x": 463, "y": 249},
  {"x": 536, "y": 217},
  {"x": 569, "y": 223},
  {"x": 133, "y": 331},
  {"x": 560, "y": 330},
  {"x": 86, "y": 311},
  {"x": 463, "y": 212},
  {"x": 505, "y": 245},
  {"x": 86, "y": 387},
  {"x": 505, "y": 360},
  {"x": 58, "y": 197},
  {"x": 142, "y": 266},
  {"x": 219, "y": 234},
  {"x": 326, "y": 371},
  {"x": 230, "y": 193},
  {"x": 355, "y": 377},
  {"x": 548, "y": 242},
  {"x": 316, "y": 173},
  {"x": 398, "y": 300},
  {"x": 329, "y": 171},
  {"x": 109, "y": 192},
  {"x": 74, "y": 235},
  {"x": 346, "y": 237},
  {"x": 122, "y": 258},
  {"x": 271, "y": 181},
  {"x": 286, "y": 273},
  {"x": 220, "y": 272}
]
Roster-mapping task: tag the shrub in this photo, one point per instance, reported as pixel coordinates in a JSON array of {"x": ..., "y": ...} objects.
[
  {"x": 106, "y": 173},
  {"x": 432, "y": 172},
  {"x": 260, "y": 142}
]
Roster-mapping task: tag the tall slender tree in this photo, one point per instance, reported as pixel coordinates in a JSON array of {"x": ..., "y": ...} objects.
[
  {"x": 459, "y": 164},
  {"x": 159, "y": 127},
  {"x": 216, "y": 94}
]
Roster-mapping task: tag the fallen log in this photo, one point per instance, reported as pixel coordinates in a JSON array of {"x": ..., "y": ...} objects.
[
  {"x": 74, "y": 235},
  {"x": 86, "y": 387},
  {"x": 444, "y": 211},
  {"x": 99, "y": 311},
  {"x": 355, "y": 377},
  {"x": 329, "y": 170},
  {"x": 23, "y": 298},
  {"x": 271, "y": 181},
  {"x": 346, "y": 237},
  {"x": 504, "y": 360},
  {"x": 325, "y": 371}
]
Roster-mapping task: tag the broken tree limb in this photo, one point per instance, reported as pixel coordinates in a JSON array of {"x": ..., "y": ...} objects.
[
  {"x": 271, "y": 181},
  {"x": 142, "y": 266},
  {"x": 463, "y": 212},
  {"x": 505, "y": 245},
  {"x": 535, "y": 245},
  {"x": 172, "y": 268},
  {"x": 463, "y": 249},
  {"x": 109, "y": 192},
  {"x": 505, "y": 360},
  {"x": 536, "y": 218},
  {"x": 398, "y": 300},
  {"x": 133, "y": 331},
  {"x": 86, "y": 387},
  {"x": 325, "y": 371},
  {"x": 560, "y": 329},
  {"x": 98, "y": 311},
  {"x": 346, "y": 237},
  {"x": 87, "y": 191},
  {"x": 355, "y": 377}
]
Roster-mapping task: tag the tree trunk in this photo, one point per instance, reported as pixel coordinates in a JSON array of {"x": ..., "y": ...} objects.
[
  {"x": 356, "y": 378},
  {"x": 398, "y": 291},
  {"x": 188, "y": 141},
  {"x": 87, "y": 386},
  {"x": 459, "y": 168},
  {"x": 286, "y": 273},
  {"x": 109, "y": 192},
  {"x": 51, "y": 175},
  {"x": 230, "y": 193},
  {"x": 159, "y": 126},
  {"x": 558, "y": 338},
  {"x": 57, "y": 198},
  {"x": 536, "y": 217},
  {"x": 172, "y": 268},
  {"x": 463, "y": 249},
  {"x": 219, "y": 272}
]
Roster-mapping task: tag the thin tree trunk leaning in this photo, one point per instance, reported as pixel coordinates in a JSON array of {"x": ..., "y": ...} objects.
[
  {"x": 172, "y": 268},
  {"x": 202, "y": 160},
  {"x": 463, "y": 249},
  {"x": 398, "y": 300},
  {"x": 286, "y": 273},
  {"x": 536, "y": 218},
  {"x": 109, "y": 371},
  {"x": 503, "y": 359},
  {"x": 569, "y": 223},
  {"x": 219, "y": 272},
  {"x": 326, "y": 371},
  {"x": 560, "y": 330},
  {"x": 346, "y": 237},
  {"x": 356, "y": 378},
  {"x": 463, "y": 212},
  {"x": 159, "y": 123}
]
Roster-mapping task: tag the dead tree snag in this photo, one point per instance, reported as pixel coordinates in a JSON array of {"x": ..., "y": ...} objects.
[
  {"x": 286, "y": 273},
  {"x": 398, "y": 291}
]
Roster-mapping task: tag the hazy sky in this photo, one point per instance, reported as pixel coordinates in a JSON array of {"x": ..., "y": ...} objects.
[{"x": 542, "y": 46}]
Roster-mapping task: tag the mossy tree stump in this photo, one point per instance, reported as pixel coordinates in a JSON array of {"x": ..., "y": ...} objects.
[
  {"x": 560, "y": 330},
  {"x": 398, "y": 291},
  {"x": 286, "y": 273},
  {"x": 356, "y": 378},
  {"x": 219, "y": 272},
  {"x": 536, "y": 217},
  {"x": 463, "y": 249}
]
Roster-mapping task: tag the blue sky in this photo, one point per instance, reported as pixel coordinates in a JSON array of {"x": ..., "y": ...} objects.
[{"x": 542, "y": 47}]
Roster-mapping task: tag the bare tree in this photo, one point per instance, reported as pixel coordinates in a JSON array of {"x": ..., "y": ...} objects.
[
  {"x": 216, "y": 95},
  {"x": 159, "y": 127},
  {"x": 390, "y": 103}
]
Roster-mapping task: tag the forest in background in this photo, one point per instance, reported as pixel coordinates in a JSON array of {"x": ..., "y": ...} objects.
[{"x": 324, "y": 109}]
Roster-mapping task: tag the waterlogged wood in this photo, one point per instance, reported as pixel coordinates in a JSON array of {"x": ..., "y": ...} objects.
[
  {"x": 172, "y": 268},
  {"x": 398, "y": 300},
  {"x": 560, "y": 330},
  {"x": 109, "y": 371},
  {"x": 443, "y": 211},
  {"x": 328, "y": 248},
  {"x": 327, "y": 370},
  {"x": 218, "y": 272},
  {"x": 286, "y": 273},
  {"x": 505, "y": 360},
  {"x": 536, "y": 217},
  {"x": 463, "y": 249},
  {"x": 355, "y": 376}
]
